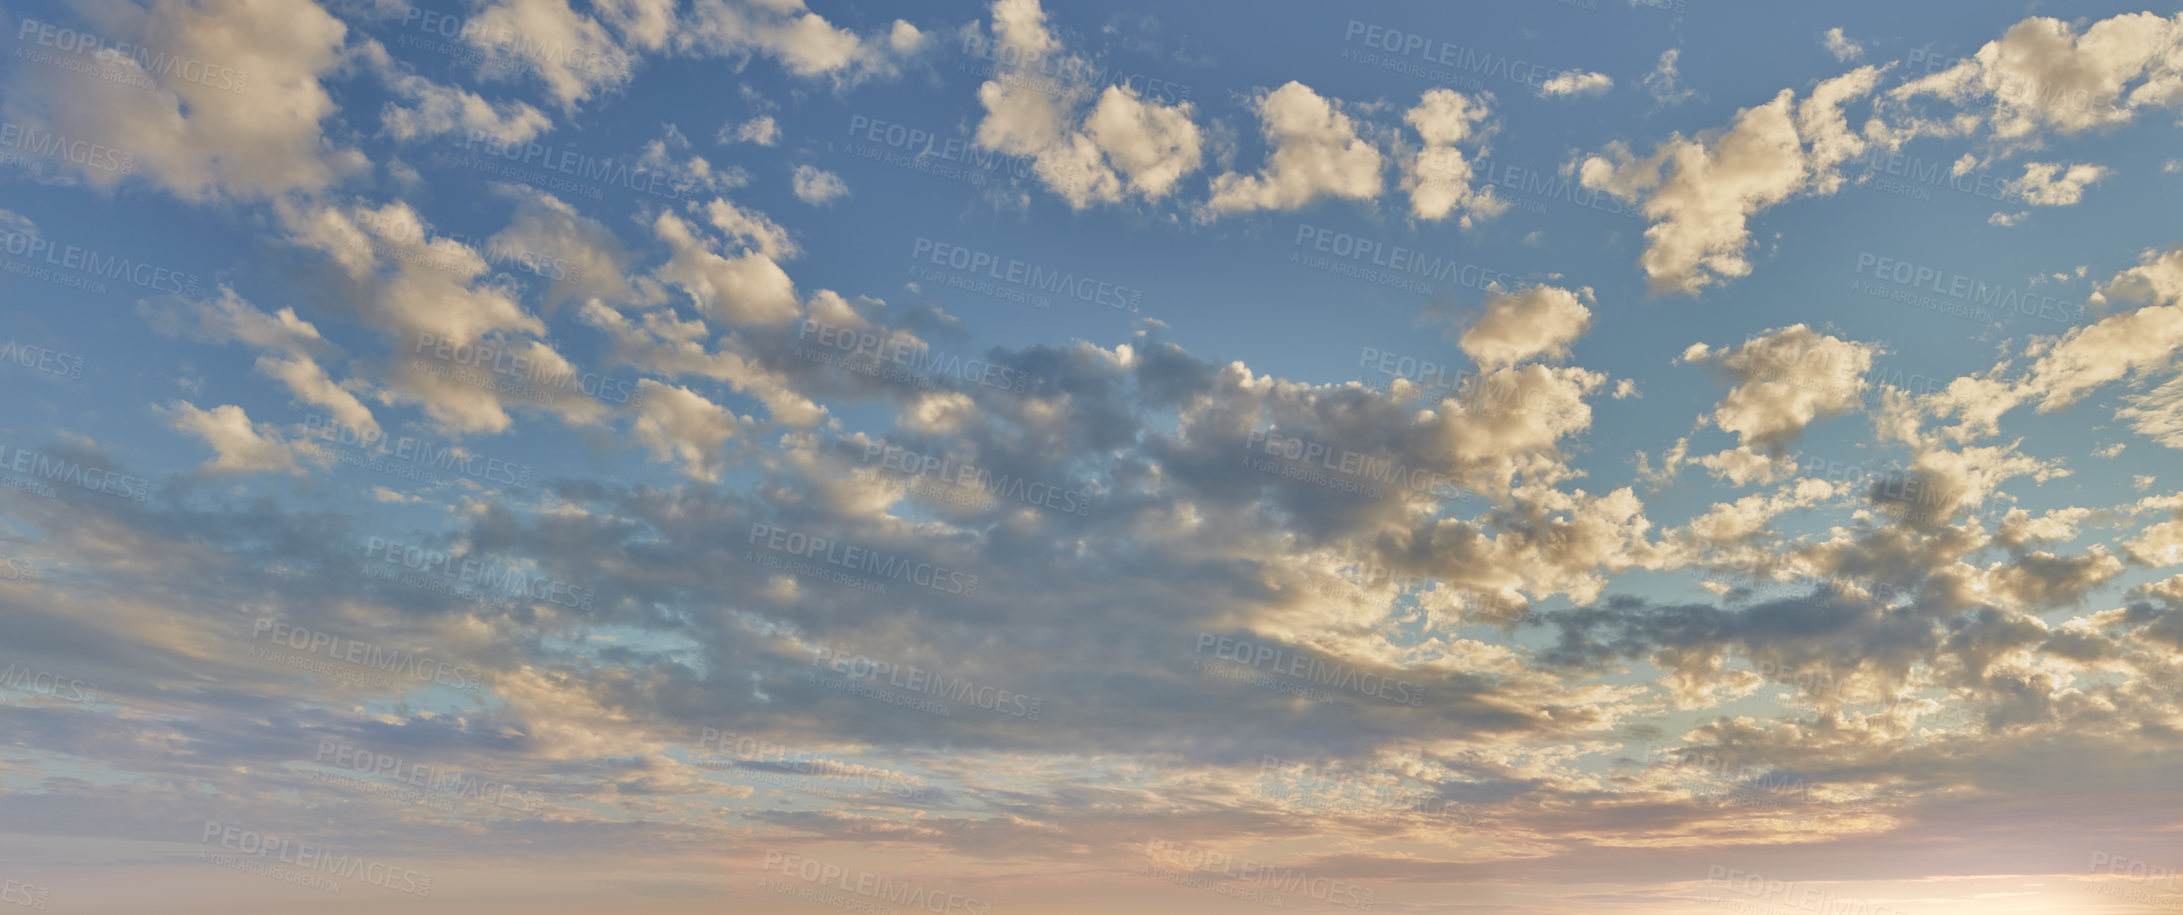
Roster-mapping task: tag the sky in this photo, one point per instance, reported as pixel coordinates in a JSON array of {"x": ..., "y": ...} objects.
[{"x": 1607, "y": 456}]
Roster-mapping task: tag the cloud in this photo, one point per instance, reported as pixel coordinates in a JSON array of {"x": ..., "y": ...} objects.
[
  {"x": 804, "y": 43},
  {"x": 735, "y": 279},
  {"x": 1784, "y": 380},
  {"x": 676, "y": 423},
  {"x": 1314, "y": 152},
  {"x": 1123, "y": 145},
  {"x": 1700, "y": 193},
  {"x": 436, "y": 110},
  {"x": 1438, "y": 178},
  {"x": 249, "y": 127},
  {"x": 2050, "y": 184},
  {"x": 239, "y": 445},
  {"x": 1841, "y": 46},
  {"x": 817, "y": 186},
  {"x": 547, "y": 236},
  {"x": 1665, "y": 82},
  {"x": 1527, "y": 323},
  {"x": 2042, "y": 75},
  {"x": 760, "y": 130},
  {"x": 571, "y": 54},
  {"x": 1575, "y": 83}
]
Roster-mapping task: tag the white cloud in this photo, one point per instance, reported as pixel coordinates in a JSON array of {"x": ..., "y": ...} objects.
[
  {"x": 802, "y": 41},
  {"x": 571, "y": 53},
  {"x": 736, "y": 281},
  {"x": 1574, "y": 83},
  {"x": 2050, "y": 184},
  {"x": 678, "y": 424},
  {"x": 1438, "y": 178},
  {"x": 1841, "y": 46},
  {"x": 1665, "y": 82},
  {"x": 239, "y": 445},
  {"x": 817, "y": 186},
  {"x": 1784, "y": 380},
  {"x": 1520, "y": 325},
  {"x": 1701, "y": 193},
  {"x": 578, "y": 254},
  {"x": 1124, "y": 145},
  {"x": 250, "y": 126},
  {"x": 2042, "y": 74},
  {"x": 760, "y": 130},
  {"x": 1314, "y": 152},
  {"x": 435, "y": 110}
]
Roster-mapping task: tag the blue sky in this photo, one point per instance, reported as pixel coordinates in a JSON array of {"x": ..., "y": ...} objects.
[{"x": 834, "y": 456}]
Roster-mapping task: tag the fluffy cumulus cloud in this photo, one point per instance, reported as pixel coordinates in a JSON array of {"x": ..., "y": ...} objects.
[
  {"x": 1119, "y": 146},
  {"x": 2043, "y": 75},
  {"x": 804, "y": 42},
  {"x": 1700, "y": 193},
  {"x": 732, "y": 545},
  {"x": 239, "y": 445},
  {"x": 1840, "y": 45},
  {"x": 2050, "y": 184},
  {"x": 679, "y": 424},
  {"x": 1439, "y": 178},
  {"x": 1577, "y": 83},
  {"x": 817, "y": 186},
  {"x": 760, "y": 130},
  {"x": 247, "y": 119},
  {"x": 1312, "y": 152},
  {"x": 1540, "y": 320},
  {"x": 573, "y": 55},
  {"x": 1781, "y": 382}
]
